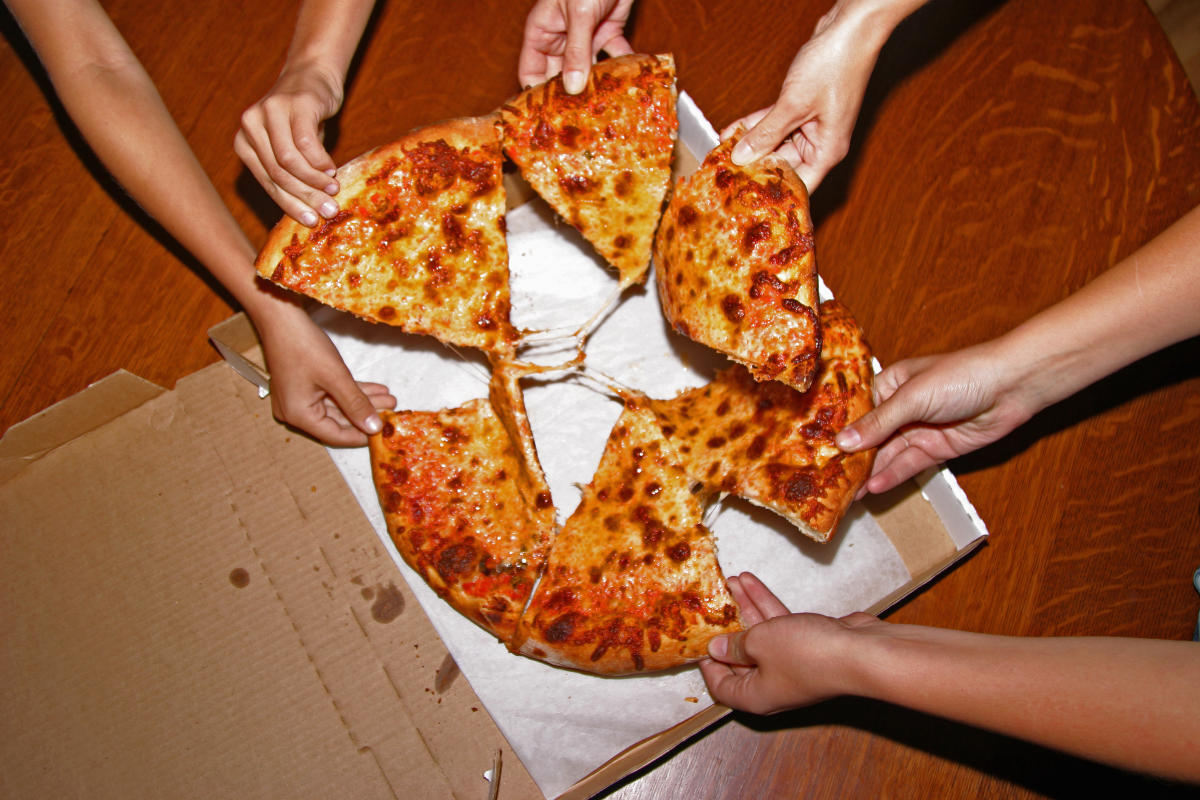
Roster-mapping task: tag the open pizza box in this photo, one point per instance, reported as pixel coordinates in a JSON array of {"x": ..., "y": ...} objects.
[{"x": 200, "y": 602}]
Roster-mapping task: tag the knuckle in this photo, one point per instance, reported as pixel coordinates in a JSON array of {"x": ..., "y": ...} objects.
[{"x": 291, "y": 161}]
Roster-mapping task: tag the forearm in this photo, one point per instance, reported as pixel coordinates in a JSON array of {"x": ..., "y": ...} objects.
[
  {"x": 1145, "y": 302},
  {"x": 1133, "y": 703},
  {"x": 874, "y": 19},
  {"x": 117, "y": 108},
  {"x": 327, "y": 35}
]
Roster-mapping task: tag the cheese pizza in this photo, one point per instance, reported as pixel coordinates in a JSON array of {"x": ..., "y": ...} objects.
[
  {"x": 774, "y": 446},
  {"x": 735, "y": 267},
  {"x": 451, "y": 487},
  {"x": 419, "y": 242},
  {"x": 601, "y": 158},
  {"x": 632, "y": 582}
]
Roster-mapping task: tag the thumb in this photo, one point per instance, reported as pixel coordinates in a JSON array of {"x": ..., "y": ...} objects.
[
  {"x": 355, "y": 405},
  {"x": 871, "y": 429},
  {"x": 730, "y": 648},
  {"x": 764, "y": 137}
]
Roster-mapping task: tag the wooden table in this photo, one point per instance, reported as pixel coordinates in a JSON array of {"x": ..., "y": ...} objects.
[{"x": 1006, "y": 154}]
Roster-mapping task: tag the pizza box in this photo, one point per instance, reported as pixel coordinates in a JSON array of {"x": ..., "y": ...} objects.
[
  {"x": 200, "y": 602},
  {"x": 571, "y": 730}
]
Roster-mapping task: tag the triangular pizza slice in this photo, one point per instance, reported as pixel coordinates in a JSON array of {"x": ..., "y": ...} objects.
[
  {"x": 735, "y": 266},
  {"x": 774, "y": 446},
  {"x": 455, "y": 494},
  {"x": 419, "y": 242},
  {"x": 632, "y": 583},
  {"x": 601, "y": 158}
]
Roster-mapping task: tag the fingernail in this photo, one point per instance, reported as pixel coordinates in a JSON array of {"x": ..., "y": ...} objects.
[
  {"x": 308, "y": 218},
  {"x": 848, "y": 439},
  {"x": 574, "y": 81},
  {"x": 718, "y": 647},
  {"x": 331, "y": 172},
  {"x": 742, "y": 153},
  {"x": 328, "y": 209},
  {"x": 332, "y": 188},
  {"x": 373, "y": 424}
]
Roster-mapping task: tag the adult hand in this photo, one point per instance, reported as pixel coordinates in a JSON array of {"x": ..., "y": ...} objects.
[
  {"x": 781, "y": 660},
  {"x": 566, "y": 35},
  {"x": 811, "y": 122},
  {"x": 935, "y": 408},
  {"x": 281, "y": 141},
  {"x": 311, "y": 388}
]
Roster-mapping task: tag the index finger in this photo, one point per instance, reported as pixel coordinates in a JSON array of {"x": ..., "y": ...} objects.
[{"x": 577, "y": 55}]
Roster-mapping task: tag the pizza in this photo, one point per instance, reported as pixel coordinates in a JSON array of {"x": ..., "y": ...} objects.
[
  {"x": 735, "y": 266},
  {"x": 772, "y": 445},
  {"x": 601, "y": 159},
  {"x": 419, "y": 242},
  {"x": 455, "y": 497},
  {"x": 632, "y": 582}
]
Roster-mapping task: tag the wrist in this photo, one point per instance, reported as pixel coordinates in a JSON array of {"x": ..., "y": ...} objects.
[
  {"x": 1037, "y": 370},
  {"x": 891, "y": 661},
  {"x": 315, "y": 71},
  {"x": 862, "y": 658},
  {"x": 872, "y": 20},
  {"x": 271, "y": 309}
]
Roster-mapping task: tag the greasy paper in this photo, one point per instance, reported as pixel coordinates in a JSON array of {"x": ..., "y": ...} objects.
[{"x": 562, "y": 723}]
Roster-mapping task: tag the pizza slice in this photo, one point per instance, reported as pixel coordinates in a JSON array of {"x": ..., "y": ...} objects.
[
  {"x": 419, "y": 242},
  {"x": 632, "y": 583},
  {"x": 735, "y": 266},
  {"x": 451, "y": 485},
  {"x": 602, "y": 158},
  {"x": 774, "y": 446}
]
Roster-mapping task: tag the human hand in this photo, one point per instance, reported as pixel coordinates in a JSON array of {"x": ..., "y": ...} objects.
[
  {"x": 810, "y": 123},
  {"x": 311, "y": 388},
  {"x": 281, "y": 142},
  {"x": 935, "y": 408},
  {"x": 566, "y": 35},
  {"x": 781, "y": 660}
]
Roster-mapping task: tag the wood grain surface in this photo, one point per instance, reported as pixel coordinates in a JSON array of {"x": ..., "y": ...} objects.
[{"x": 1006, "y": 154}]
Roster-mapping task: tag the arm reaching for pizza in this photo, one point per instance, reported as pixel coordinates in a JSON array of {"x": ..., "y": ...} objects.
[
  {"x": 104, "y": 87},
  {"x": 1122, "y": 701},
  {"x": 810, "y": 123},
  {"x": 934, "y": 408},
  {"x": 281, "y": 139},
  {"x": 566, "y": 35}
]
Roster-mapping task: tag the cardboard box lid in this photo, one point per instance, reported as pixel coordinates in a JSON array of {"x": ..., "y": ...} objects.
[
  {"x": 195, "y": 606},
  {"x": 198, "y": 604}
]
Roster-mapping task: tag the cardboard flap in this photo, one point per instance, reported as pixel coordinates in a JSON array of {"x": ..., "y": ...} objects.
[
  {"x": 101, "y": 403},
  {"x": 196, "y": 604}
]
